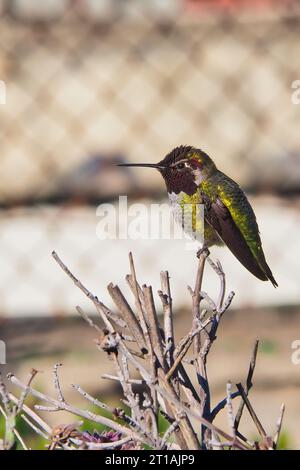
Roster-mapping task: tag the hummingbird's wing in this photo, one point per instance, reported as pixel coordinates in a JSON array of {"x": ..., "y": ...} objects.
[{"x": 235, "y": 222}]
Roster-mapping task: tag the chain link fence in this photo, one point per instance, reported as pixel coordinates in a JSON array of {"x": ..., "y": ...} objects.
[{"x": 89, "y": 84}]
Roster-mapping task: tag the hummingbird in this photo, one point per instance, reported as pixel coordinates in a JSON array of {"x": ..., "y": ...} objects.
[{"x": 192, "y": 178}]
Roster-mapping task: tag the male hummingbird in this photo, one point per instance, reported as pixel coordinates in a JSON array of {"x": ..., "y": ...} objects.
[{"x": 192, "y": 178}]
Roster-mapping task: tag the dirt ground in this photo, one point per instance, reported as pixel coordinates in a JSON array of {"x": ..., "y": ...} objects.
[{"x": 40, "y": 343}]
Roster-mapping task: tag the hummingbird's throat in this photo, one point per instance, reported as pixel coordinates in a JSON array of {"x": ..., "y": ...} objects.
[{"x": 198, "y": 176}]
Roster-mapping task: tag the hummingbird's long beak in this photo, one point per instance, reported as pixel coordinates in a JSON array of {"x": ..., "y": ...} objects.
[{"x": 142, "y": 165}]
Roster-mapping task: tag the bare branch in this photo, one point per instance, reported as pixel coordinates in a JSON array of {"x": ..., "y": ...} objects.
[
  {"x": 278, "y": 426},
  {"x": 230, "y": 410},
  {"x": 253, "y": 415},
  {"x": 165, "y": 296},
  {"x": 128, "y": 315},
  {"x": 156, "y": 363},
  {"x": 248, "y": 384},
  {"x": 57, "y": 383}
]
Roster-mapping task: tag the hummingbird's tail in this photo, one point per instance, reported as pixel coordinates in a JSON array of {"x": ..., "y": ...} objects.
[
  {"x": 266, "y": 270},
  {"x": 258, "y": 267}
]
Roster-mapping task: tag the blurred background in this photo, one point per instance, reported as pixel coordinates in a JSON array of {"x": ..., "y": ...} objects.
[{"x": 86, "y": 84}]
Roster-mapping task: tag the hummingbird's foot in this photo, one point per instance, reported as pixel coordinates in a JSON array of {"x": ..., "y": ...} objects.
[{"x": 203, "y": 251}]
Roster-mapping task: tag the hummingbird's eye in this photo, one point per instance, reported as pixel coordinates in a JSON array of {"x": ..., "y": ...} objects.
[{"x": 180, "y": 166}]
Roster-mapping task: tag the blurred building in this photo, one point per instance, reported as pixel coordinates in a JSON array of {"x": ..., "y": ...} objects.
[{"x": 91, "y": 83}]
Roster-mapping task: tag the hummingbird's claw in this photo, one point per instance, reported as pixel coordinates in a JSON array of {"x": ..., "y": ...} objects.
[{"x": 203, "y": 251}]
